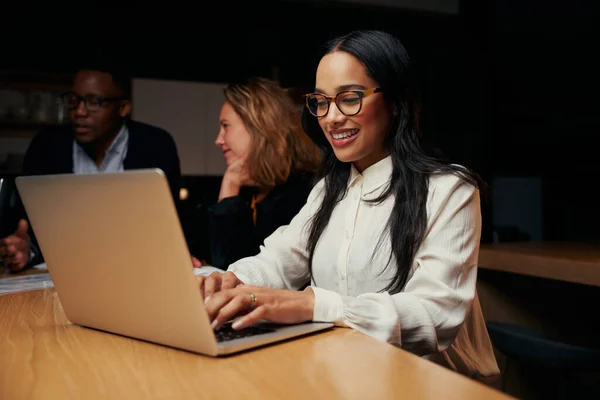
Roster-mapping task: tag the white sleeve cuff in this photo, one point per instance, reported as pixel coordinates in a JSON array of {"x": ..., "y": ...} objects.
[{"x": 329, "y": 306}]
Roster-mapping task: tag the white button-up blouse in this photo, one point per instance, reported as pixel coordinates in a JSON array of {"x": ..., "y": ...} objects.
[{"x": 436, "y": 315}]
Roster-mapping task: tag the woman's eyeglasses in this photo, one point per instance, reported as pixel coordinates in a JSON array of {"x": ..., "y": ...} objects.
[{"x": 349, "y": 102}]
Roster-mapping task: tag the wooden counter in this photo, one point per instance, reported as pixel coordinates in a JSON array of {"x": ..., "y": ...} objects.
[
  {"x": 568, "y": 262},
  {"x": 43, "y": 356}
]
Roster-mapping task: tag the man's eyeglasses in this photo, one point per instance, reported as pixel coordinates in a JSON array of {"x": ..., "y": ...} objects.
[
  {"x": 348, "y": 102},
  {"x": 92, "y": 103}
]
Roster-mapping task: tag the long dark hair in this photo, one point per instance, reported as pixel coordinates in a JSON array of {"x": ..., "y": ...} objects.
[{"x": 387, "y": 62}]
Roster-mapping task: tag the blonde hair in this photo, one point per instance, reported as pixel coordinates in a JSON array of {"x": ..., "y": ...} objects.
[{"x": 278, "y": 145}]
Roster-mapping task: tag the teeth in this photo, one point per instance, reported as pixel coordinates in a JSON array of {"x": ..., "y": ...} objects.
[{"x": 344, "y": 135}]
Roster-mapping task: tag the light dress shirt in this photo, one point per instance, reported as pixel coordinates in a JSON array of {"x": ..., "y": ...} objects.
[
  {"x": 113, "y": 160},
  {"x": 437, "y": 315}
]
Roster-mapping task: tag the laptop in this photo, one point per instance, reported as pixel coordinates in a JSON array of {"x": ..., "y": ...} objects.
[{"x": 117, "y": 256}]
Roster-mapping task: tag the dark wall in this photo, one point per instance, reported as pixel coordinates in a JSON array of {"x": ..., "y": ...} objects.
[
  {"x": 545, "y": 118},
  {"x": 508, "y": 85},
  {"x": 233, "y": 43}
]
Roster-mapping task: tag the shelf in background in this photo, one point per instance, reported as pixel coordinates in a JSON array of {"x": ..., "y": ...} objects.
[
  {"x": 33, "y": 80},
  {"x": 7, "y": 123},
  {"x": 27, "y": 95},
  {"x": 21, "y": 128},
  {"x": 10, "y": 173}
]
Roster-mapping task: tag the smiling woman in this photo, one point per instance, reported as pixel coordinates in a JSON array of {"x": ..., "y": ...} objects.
[
  {"x": 349, "y": 101},
  {"x": 359, "y": 140},
  {"x": 390, "y": 235}
]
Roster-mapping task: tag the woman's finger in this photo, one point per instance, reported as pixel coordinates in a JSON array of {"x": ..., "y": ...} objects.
[
  {"x": 217, "y": 301},
  {"x": 229, "y": 281},
  {"x": 201, "y": 280},
  {"x": 251, "y": 318},
  {"x": 212, "y": 284},
  {"x": 237, "y": 305}
]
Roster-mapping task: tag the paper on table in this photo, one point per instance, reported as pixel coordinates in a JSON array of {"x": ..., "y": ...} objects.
[{"x": 23, "y": 283}]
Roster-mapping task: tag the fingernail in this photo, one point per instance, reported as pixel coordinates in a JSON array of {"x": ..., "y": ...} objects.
[
  {"x": 214, "y": 324},
  {"x": 236, "y": 324},
  {"x": 206, "y": 299}
]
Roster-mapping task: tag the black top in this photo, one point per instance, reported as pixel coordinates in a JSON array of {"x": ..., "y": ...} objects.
[{"x": 232, "y": 230}]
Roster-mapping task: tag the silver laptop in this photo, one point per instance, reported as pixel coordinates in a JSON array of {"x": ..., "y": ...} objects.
[{"x": 119, "y": 261}]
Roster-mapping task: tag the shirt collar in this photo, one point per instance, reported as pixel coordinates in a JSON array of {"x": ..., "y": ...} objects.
[
  {"x": 373, "y": 177},
  {"x": 117, "y": 145}
]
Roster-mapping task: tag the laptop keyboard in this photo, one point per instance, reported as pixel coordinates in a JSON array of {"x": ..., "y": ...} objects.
[{"x": 226, "y": 332}]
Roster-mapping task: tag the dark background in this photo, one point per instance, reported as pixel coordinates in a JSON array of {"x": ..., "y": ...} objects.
[{"x": 509, "y": 86}]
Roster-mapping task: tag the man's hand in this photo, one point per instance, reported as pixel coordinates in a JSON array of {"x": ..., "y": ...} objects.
[{"x": 14, "y": 249}]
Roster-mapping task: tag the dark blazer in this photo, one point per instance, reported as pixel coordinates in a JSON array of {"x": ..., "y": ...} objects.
[
  {"x": 232, "y": 232},
  {"x": 51, "y": 152}
]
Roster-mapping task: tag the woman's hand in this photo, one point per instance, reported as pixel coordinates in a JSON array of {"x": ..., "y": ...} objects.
[
  {"x": 215, "y": 282},
  {"x": 236, "y": 176},
  {"x": 257, "y": 303}
]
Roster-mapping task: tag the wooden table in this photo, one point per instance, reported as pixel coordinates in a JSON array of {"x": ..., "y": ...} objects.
[
  {"x": 43, "y": 356},
  {"x": 568, "y": 262}
]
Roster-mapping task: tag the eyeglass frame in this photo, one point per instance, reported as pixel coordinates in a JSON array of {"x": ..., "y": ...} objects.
[
  {"x": 362, "y": 93},
  {"x": 101, "y": 100}
]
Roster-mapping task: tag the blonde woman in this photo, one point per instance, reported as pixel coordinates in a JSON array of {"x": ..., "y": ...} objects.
[{"x": 270, "y": 165}]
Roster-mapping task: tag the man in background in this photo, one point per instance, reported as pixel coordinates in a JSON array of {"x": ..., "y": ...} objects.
[{"x": 100, "y": 137}]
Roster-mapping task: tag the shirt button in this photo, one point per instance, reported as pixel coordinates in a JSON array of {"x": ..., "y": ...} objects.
[
  {"x": 348, "y": 234},
  {"x": 342, "y": 277}
]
